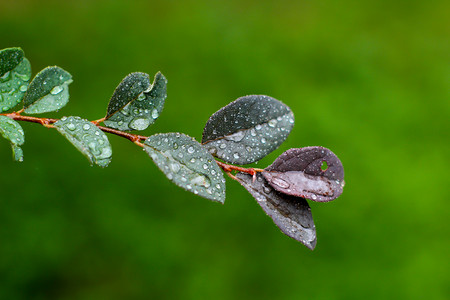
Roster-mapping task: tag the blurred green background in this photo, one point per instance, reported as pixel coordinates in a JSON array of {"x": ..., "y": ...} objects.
[{"x": 367, "y": 79}]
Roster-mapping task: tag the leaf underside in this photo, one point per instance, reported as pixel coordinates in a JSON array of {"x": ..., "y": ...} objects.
[
  {"x": 135, "y": 104},
  {"x": 13, "y": 132},
  {"x": 248, "y": 129},
  {"x": 15, "y": 73},
  {"x": 291, "y": 214},
  {"x": 48, "y": 91},
  {"x": 187, "y": 164},
  {"x": 87, "y": 138},
  {"x": 299, "y": 172}
]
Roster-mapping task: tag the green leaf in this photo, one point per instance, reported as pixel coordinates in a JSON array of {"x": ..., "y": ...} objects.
[
  {"x": 135, "y": 104},
  {"x": 48, "y": 91},
  {"x": 12, "y": 131},
  {"x": 291, "y": 214},
  {"x": 87, "y": 138},
  {"x": 186, "y": 163},
  {"x": 15, "y": 73},
  {"x": 248, "y": 129}
]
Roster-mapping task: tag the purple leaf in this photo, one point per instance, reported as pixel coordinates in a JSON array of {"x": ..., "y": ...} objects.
[
  {"x": 291, "y": 214},
  {"x": 314, "y": 173}
]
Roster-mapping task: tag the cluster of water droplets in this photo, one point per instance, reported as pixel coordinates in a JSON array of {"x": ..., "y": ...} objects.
[
  {"x": 185, "y": 162},
  {"x": 252, "y": 144},
  {"x": 12, "y": 131},
  {"x": 14, "y": 84},
  {"x": 141, "y": 111},
  {"x": 291, "y": 214},
  {"x": 87, "y": 138}
]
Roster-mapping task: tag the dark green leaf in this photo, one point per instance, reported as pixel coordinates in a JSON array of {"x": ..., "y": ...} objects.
[
  {"x": 134, "y": 105},
  {"x": 314, "y": 173},
  {"x": 291, "y": 214},
  {"x": 12, "y": 131},
  {"x": 87, "y": 138},
  {"x": 186, "y": 163},
  {"x": 15, "y": 72},
  {"x": 248, "y": 129},
  {"x": 48, "y": 91}
]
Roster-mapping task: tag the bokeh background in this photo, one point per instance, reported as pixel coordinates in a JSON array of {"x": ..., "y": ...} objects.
[{"x": 367, "y": 79}]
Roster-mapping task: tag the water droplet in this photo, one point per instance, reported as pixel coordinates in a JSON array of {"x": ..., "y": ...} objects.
[
  {"x": 189, "y": 187},
  {"x": 236, "y": 137},
  {"x": 291, "y": 120},
  {"x": 253, "y": 132},
  {"x": 258, "y": 127},
  {"x": 5, "y": 76},
  {"x": 195, "y": 192},
  {"x": 56, "y": 90},
  {"x": 23, "y": 88},
  {"x": 279, "y": 119},
  {"x": 63, "y": 118},
  {"x": 266, "y": 189},
  {"x": 249, "y": 149},
  {"x": 170, "y": 176},
  {"x": 139, "y": 123},
  {"x": 192, "y": 160},
  {"x": 273, "y": 123},
  {"x": 213, "y": 172},
  {"x": 313, "y": 197},
  {"x": 212, "y": 150},
  {"x": 205, "y": 166},
  {"x": 120, "y": 123},
  {"x": 180, "y": 155},
  {"x": 190, "y": 150},
  {"x": 141, "y": 97},
  {"x": 218, "y": 186},
  {"x": 236, "y": 155},
  {"x": 155, "y": 114},
  {"x": 183, "y": 179},
  {"x": 280, "y": 182},
  {"x": 175, "y": 146},
  {"x": 222, "y": 146},
  {"x": 175, "y": 167},
  {"x": 263, "y": 140},
  {"x": 209, "y": 191},
  {"x": 71, "y": 126},
  {"x": 86, "y": 126}
]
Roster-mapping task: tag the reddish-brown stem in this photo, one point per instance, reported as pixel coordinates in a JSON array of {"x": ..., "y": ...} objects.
[{"x": 137, "y": 139}]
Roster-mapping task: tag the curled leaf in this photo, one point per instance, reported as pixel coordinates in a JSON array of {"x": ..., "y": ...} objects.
[
  {"x": 291, "y": 214},
  {"x": 12, "y": 131},
  {"x": 187, "y": 164},
  {"x": 87, "y": 138},
  {"x": 248, "y": 129},
  {"x": 48, "y": 91},
  {"x": 15, "y": 73},
  {"x": 135, "y": 104},
  {"x": 314, "y": 173}
]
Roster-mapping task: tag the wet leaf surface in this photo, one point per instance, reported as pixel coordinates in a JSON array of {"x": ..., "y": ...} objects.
[
  {"x": 135, "y": 104},
  {"x": 248, "y": 129},
  {"x": 187, "y": 163},
  {"x": 87, "y": 138},
  {"x": 291, "y": 214},
  {"x": 13, "y": 132},
  {"x": 48, "y": 91},
  {"x": 302, "y": 172},
  {"x": 15, "y": 73}
]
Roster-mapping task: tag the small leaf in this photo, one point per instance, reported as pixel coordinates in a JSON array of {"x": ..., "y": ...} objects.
[
  {"x": 291, "y": 214},
  {"x": 87, "y": 138},
  {"x": 187, "y": 164},
  {"x": 15, "y": 73},
  {"x": 48, "y": 91},
  {"x": 12, "y": 131},
  {"x": 302, "y": 172},
  {"x": 135, "y": 104},
  {"x": 248, "y": 129}
]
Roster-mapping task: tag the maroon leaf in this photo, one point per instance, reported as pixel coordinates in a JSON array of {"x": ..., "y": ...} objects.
[
  {"x": 314, "y": 173},
  {"x": 291, "y": 214}
]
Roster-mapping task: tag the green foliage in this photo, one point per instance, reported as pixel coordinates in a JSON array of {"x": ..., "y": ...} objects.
[
  {"x": 12, "y": 131},
  {"x": 187, "y": 164},
  {"x": 248, "y": 129},
  {"x": 48, "y": 91},
  {"x": 15, "y": 72},
  {"x": 242, "y": 132},
  {"x": 87, "y": 138},
  {"x": 135, "y": 104}
]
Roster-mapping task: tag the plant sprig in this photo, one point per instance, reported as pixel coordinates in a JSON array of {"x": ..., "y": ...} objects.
[{"x": 242, "y": 132}]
